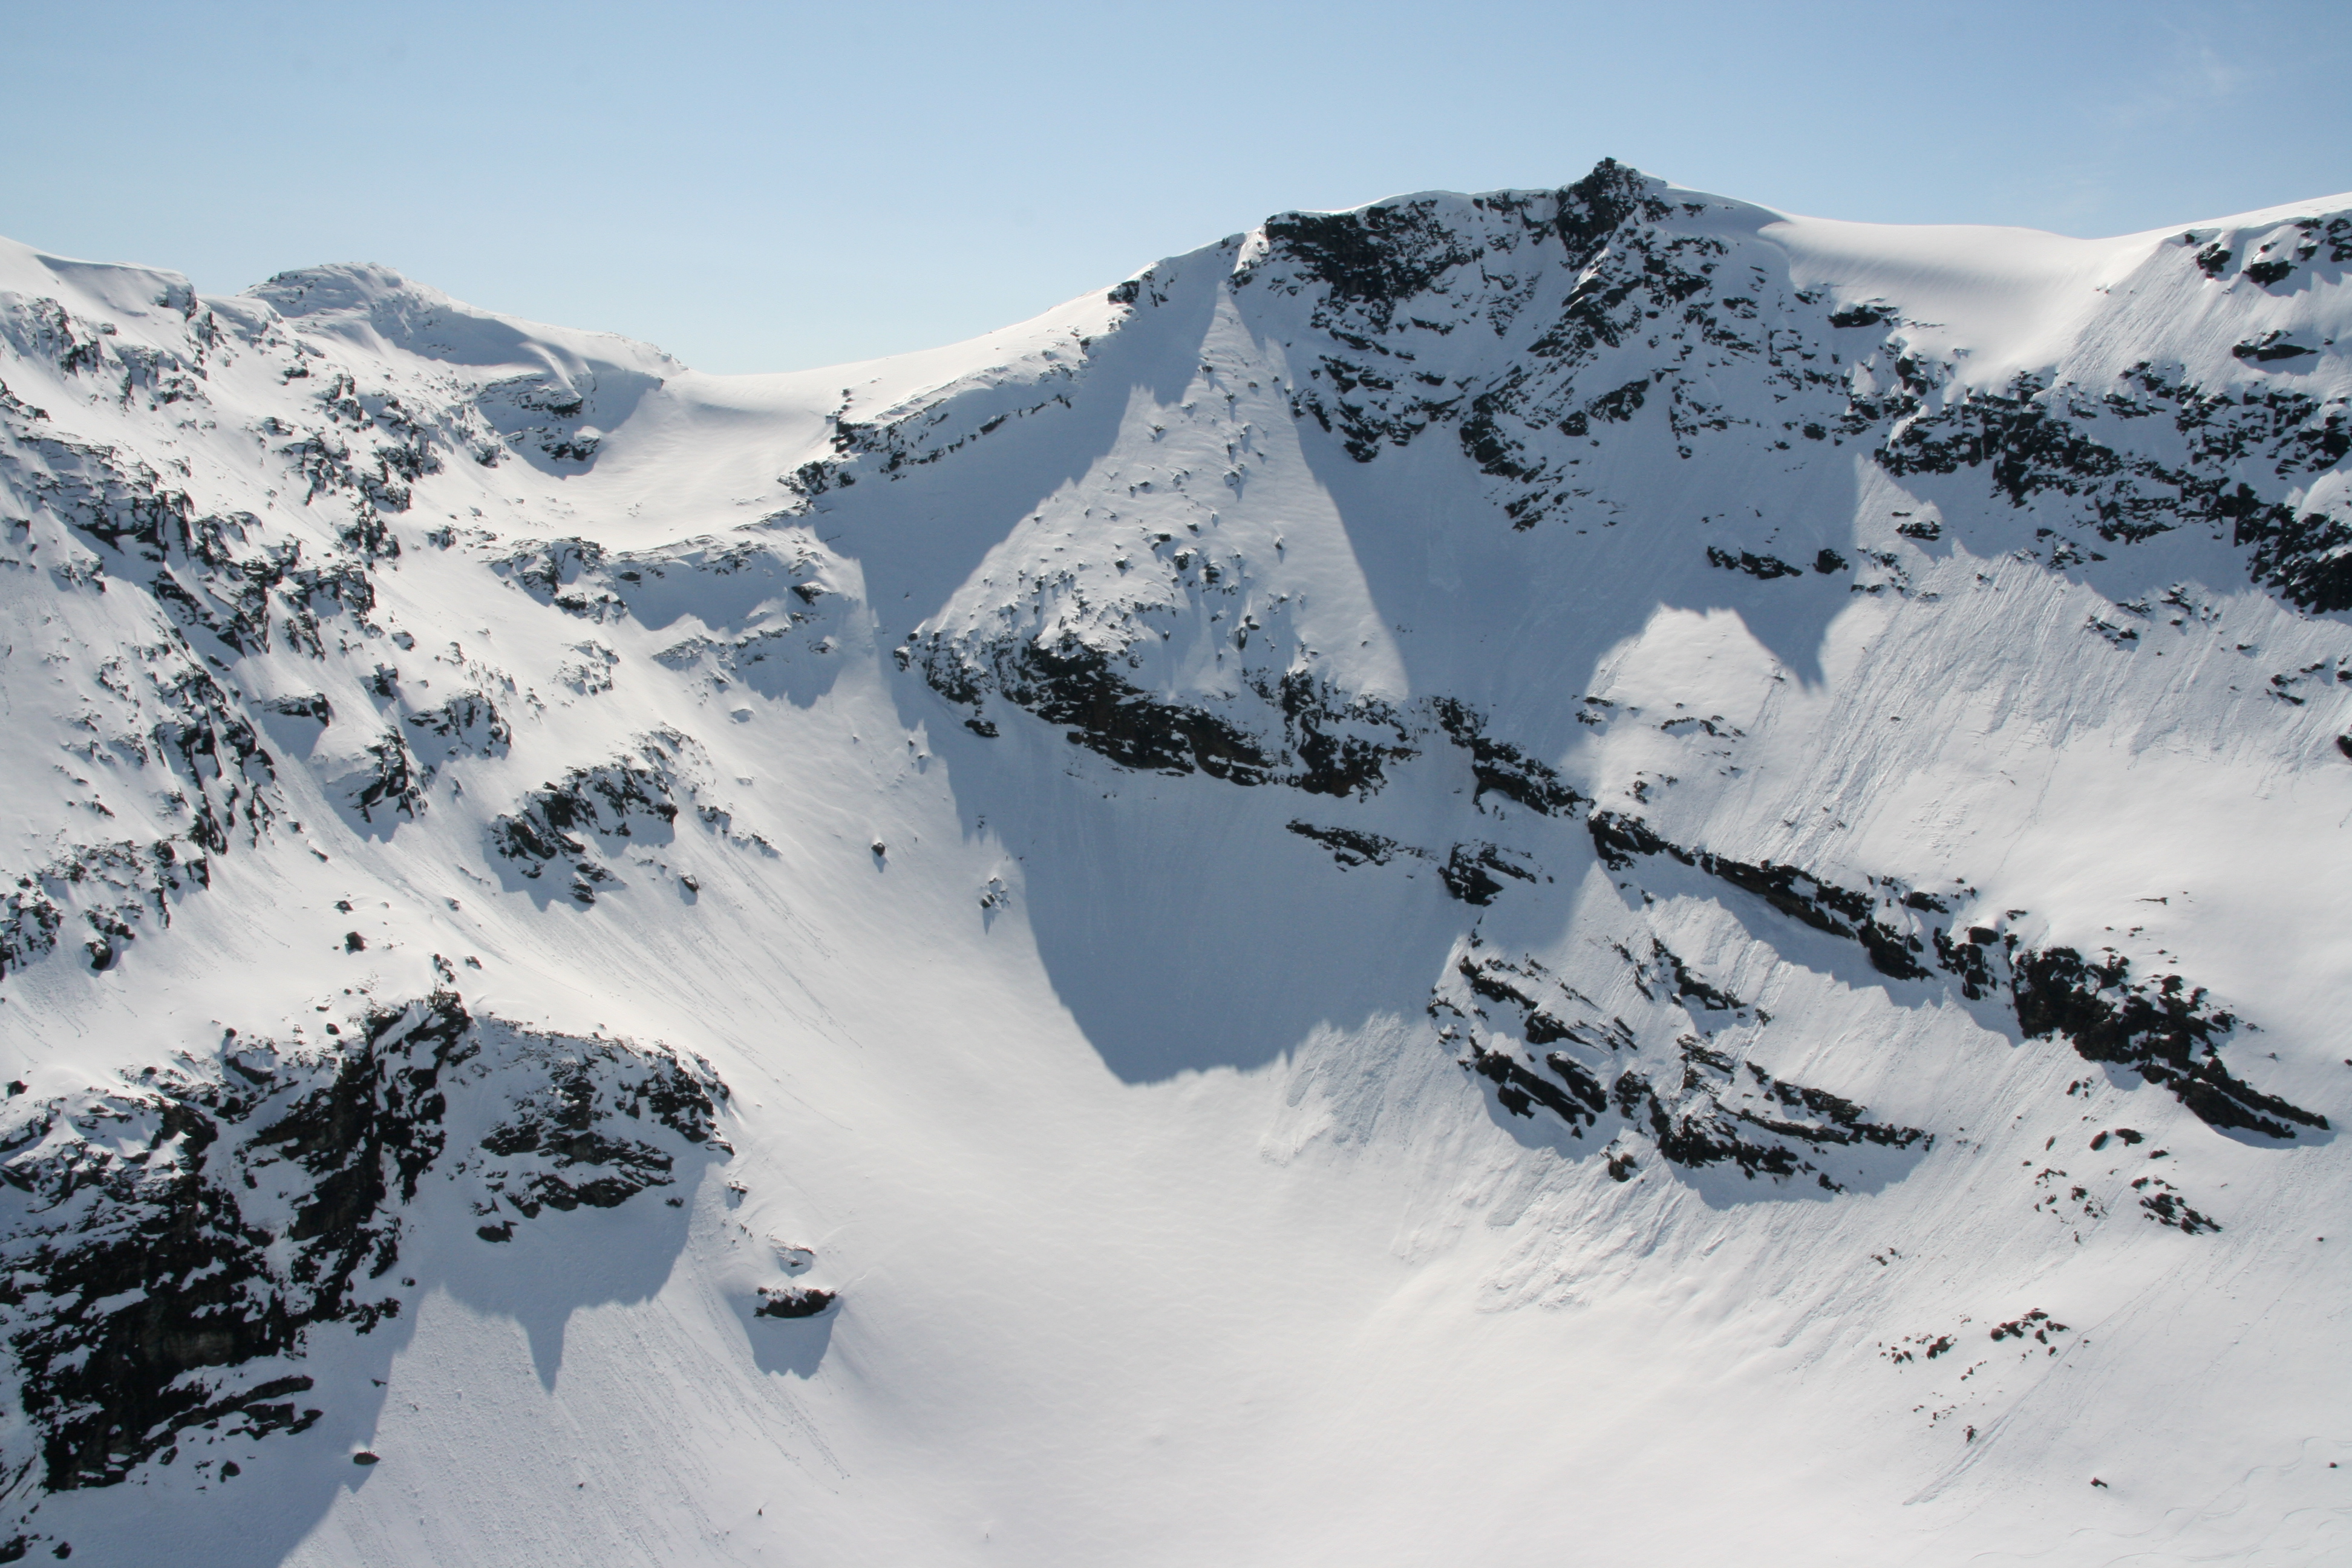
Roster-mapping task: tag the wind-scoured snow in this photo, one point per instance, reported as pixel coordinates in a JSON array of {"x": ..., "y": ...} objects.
[{"x": 1548, "y": 876}]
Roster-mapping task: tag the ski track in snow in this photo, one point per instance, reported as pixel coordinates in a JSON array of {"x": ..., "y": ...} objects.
[{"x": 1489, "y": 880}]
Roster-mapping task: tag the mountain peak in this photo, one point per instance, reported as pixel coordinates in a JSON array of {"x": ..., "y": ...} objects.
[{"x": 685, "y": 940}]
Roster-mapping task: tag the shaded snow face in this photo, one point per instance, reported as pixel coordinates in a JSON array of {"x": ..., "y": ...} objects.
[{"x": 1742, "y": 750}]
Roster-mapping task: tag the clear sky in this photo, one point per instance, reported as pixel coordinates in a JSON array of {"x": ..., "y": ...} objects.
[{"x": 782, "y": 185}]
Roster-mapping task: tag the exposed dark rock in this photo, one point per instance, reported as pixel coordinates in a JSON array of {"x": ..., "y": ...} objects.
[
  {"x": 1824, "y": 906},
  {"x": 1352, "y": 847},
  {"x": 1969, "y": 957},
  {"x": 1689, "y": 985},
  {"x": 1579, "y": 1104},
  {"x": 1468, "y": 872},
  {"x": 311, "y": 705},
  {"x": 111, "y": 885},
  {"x": 793, "y": 1301},
  {"x": 205, "y": 583},
  {"x": 2037, "y": 1322},
  {"x": 1713, "y": 1110},
  {"x": 1762, "y": 1124},
  {"x": 1500, "y": 767},
  {"x": 631, "y": 795},
  {"x": 173, "y": 1240},
  {"x": 571, "y": 1133},
  {"x": 145, "y": 1275},
  {"x": 2164, "y": 1030},
  {"x": 1617, "y": 839},
  {"x": 2166, "y": 1207},
  {"x": 1764, "y": 566},
  {"x": 389, "y": 781},
  {"x": 1329, "y": 743},
  {"x": 2270, "y": 348},
  {"x": 1386, "y": 279},
  {"x": 1870, "y": 315},
  {"x": 2035, "y": 439},
  {"x": 551, "y": 571},
  {"x": 2026, "y": 445},
  {"x": 1075, "y": 685},
  {"x": 1646, "y": 298},
  {"x": 1549, "y": 1011},
  {"x": 467, "y": 724},
  {"x": 1327, "y": 733}
]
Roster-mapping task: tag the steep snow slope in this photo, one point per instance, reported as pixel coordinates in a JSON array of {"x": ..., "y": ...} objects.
[{"x": 1537, "y": 877}]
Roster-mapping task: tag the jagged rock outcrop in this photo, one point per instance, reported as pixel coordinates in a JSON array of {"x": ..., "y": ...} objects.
[{"x": 175, "y": 1238}]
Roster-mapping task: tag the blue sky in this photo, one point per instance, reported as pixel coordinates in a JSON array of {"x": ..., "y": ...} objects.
[{"x": 775, "y": 186}]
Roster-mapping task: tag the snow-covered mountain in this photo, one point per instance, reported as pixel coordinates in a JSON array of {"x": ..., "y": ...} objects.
[{"x": 1564, "y": 876}]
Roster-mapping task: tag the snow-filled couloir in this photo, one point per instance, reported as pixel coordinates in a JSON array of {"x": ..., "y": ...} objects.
[{"x": 1541, "y": 877}]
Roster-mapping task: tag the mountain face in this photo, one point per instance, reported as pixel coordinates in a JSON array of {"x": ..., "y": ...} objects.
[{"x": 1554, "y": 875}]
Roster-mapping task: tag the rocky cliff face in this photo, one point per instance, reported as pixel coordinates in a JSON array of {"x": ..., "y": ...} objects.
[{"x": 1740, "y": 748}]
